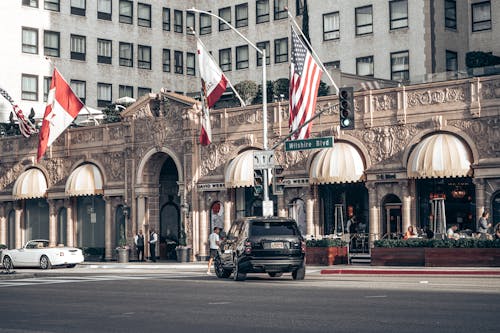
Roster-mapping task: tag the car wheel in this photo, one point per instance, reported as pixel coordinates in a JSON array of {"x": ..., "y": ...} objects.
[
  {"x": 299, "y": 273},
  {"x": 45, "y": 262},
  {"x": 219, "y": 269},
  {"x": 7, "y": 263},
  {"x": 238, "y": 276},
  {"x": 275, "y": 274}
]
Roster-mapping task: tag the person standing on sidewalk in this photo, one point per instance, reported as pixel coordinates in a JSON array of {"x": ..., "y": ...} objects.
[
  {"x": 139, "y": 245},
  {"x": 153, "y": 238},
  {"x": 484, "y": 226},
  {"x": 214, "y": 242}
]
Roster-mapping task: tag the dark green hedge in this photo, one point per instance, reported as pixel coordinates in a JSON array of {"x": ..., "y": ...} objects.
[
  {"x": 443, "y": 243},
  {"x": 326, "y": 242}
]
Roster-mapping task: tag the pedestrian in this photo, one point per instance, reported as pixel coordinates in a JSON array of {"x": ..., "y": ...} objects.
[
  {"x": 484, "y": 225},
  {"x": 153, "y": 238},
  {"x": 214, "y": 242},
  {"x": 451, "y": 233},
  {"x": 139, "y": 245},
  {"x": 410, "y": 233}
]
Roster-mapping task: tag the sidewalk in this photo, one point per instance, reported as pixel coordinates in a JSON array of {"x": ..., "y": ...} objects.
[{"x": 409, "y": 270}]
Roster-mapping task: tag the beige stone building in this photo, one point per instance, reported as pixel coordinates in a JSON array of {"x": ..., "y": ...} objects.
[{"x": 419, "y": 155}]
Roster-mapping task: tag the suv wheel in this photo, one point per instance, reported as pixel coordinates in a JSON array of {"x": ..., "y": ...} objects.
[
  {"x": 238, "y": 276},
  {"x": 219, "y": 269},
  {"x": 299, "y": 273}
]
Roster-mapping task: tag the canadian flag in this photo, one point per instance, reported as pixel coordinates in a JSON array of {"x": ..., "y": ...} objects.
[
  {"x": 62, "y": 108},
  {"x": 213, "y": 83}
]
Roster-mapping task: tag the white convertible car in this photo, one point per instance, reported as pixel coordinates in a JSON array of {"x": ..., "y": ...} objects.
[{"x": 37, "y": 253}]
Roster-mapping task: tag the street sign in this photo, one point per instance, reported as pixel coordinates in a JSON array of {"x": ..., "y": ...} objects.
[
  {"x": 263, "y": 159},
  {"x": 315, "y": 143}
]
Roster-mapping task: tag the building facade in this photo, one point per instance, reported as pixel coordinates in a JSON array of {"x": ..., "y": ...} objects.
[{"x": 425, "y": 155}]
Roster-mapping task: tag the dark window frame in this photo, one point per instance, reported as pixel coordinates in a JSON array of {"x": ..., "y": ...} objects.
[
  {"x": 450, "y": 22},
  {"x": 280, "y": 57},
  {"x": 141, "y": 91},
  {"x": 226, "y": 66},
  {"x": 126, "y": 62},
  {"x": 126, "y": 19},
  {"x": 190, "y": 16},
  {"x": 27, "y": 46},
  {"x": 267, "y": 46},
  {"x": 326, "y": 33},
  {"x": 24, "y": 93},
  {"x": 392, "y": 20},
  {"x": 279, "y": 14},
  {"x": 454, "y": 55},
  {"x": 78, "y": 55},
  {"x": 165, "y": 24},
  {"x": 358, "y": 61},
  {"x": 178, "y": 26},
  {"x": 46, "y": 48},
  {"x": 142, "y": 21},
  {"x": 52, "y": 5},
  {"x": 102, "y": 59},
  {"x": 144, "y": 63},
  {"x": 123, "y": 86},
  {"x": 241, "y": 22},
  {"x": 190, "y": 70},
  {"x": 262, "y": 18},
  {"x": 47, "y": 80},
  {"x": 78, "y": 10},
  {"x": 222, "y": 25},
  {"x": 205, "y": 24},
  {"x": 105, "y": 15},
  {"x": 406, "y": 72},
  {"x": 178, "y": 65},
  {"x": 30, "y": 3},
  {"x": 84, "y": 98},
  {"x": 474, "y": 23},
  {"x": 358, "y": 26},
  {"x": 104, "y": 102},
  {"x": 166, "y": 66},
  {"x": 242, "y": 63}
]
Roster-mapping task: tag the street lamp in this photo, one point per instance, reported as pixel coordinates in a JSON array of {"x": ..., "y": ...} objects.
[{"x": 262, "y": 52}]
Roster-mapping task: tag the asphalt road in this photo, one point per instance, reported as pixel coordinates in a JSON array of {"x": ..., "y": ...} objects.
[{"x": 193, "y": 302}]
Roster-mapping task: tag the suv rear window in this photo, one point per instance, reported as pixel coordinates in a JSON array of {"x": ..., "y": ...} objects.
[{"x": 273, "y": 228}]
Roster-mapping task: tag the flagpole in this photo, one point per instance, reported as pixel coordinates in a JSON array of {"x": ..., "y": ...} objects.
[{"x": 312, "y": 50}]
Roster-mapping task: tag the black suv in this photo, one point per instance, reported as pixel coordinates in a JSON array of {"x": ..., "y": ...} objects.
[{"x": 270, "y": 245}]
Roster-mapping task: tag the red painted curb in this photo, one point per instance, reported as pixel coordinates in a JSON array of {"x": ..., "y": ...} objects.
[{"x": 406, "y": 272}]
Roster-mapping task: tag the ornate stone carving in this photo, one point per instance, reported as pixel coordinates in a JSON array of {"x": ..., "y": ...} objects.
[
  {"x": 214, "y": 158},
  {"x": 385, "y": 102},
  {"x": 490, "y": 90},
  {"x": 9, "y": 174},
  {"x": 436, "y": 96},
  {"x": 114, "y": 164},
  {"x": 253, "y": 116},
  {"x": 57, "y": 169},
  {"x": 486, "y": 134},
  {"x": 87, "y": 136},
  {"x": 387, "y": 143},
  {"x": 116, "y": 133},
  {"x": 296, "y": 160}
]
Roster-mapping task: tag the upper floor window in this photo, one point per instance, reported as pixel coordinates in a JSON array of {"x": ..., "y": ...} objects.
[
  {"x": 126, "y": 54},
  {"x": 281, "y": 50},
  {"x": 51, "y": 5},
  {"x": 78, "y": 47},
  {"x": 141, "y": 91},
  {"x": 104, "y": 94},
  {"x": 30, "y": 3},
  {"x": 79, "y": 88},
  {"x": 166, "y": 60},
  {"x": 225, "y": 59},
  {"x": 241, "y": 15},
  {"x": 481, "y": 16},
  {"x": 450, "y": 14},
  {"x": 78, "y": 7},
  {"x": 104, "y": 51},
  {"x": 144, "y": 15},
  {"x": 331, "y": 26},
  {"x": 364, "y": 66},
  {"x": 279, "y": 9},
  {"x": 400, "y": 66},
  {"x": 178, "y": 21},
  {"x": 29, "y": 87},
  {"x": 144, "y": 57},
  {"x": 451, "y": 61},
  {"x": 190, "y": 22},
  {"x": 224, "y": 13},
  {"x": 47, "y": 80},
  {"x": 51, "y": 43},
  {"x": 126, "y": 11},
  {"x": 242, "y": 57},
  {"x": 178, "y": 62},
  {"x": 190, "y": 64},
  {"x": 332, "y": 64},
  {"x": 267, "y": 46},
  {"x": 166, "y": 19},
  {"x": 299, "y": 7},
  {"x": 30, "y": 40},
  {"x": 398, "y": 14},
  {"x": 125, "y": 91},
  {"x": 104, "y": 9},
  {"x": 205, "y": 24},
  {"x": 262, "y": 11},
  {"x": 364, "y": 20}
]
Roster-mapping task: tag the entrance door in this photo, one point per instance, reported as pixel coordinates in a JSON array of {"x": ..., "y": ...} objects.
[
  {"x": 393, "y": 224},
  {"x": 169, "y": 230}
]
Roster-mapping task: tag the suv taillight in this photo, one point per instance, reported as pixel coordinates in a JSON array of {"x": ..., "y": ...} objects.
[
  {"x": 248, "y": 247},
  {"x": 303, "y": 246}
]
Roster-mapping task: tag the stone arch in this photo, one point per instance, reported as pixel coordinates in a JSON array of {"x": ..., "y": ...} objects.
[{"x": 147, "y": 158}]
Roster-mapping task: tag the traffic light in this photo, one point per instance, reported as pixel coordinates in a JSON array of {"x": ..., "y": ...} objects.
[
  {"x": 278, "y": 180},
  {"x": 258, "y": 182},
  {"x": 346, "y": 108}
]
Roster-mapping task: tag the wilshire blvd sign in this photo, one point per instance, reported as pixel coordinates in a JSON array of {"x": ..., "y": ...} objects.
[{"x": 315, "y": 143}]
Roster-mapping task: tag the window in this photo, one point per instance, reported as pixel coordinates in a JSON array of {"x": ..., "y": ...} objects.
[
  {"x": 205, "y": 24},
  {"x": 166, "y": 60},
  {"x": 190, "y": 23},
  {"x": 166, "y": 19},
  {"x": 178, "y": 21},
  {"x": 126, "y": 54},
  {"x": 299, "y": 7},
  {"x": 104, "y": 9},
  {"x": 126, "y": 11},
  {"x": 224, "y": 13},
  {"x": 225, "y": 59},
  {"x": 332, "y": 64},
  {"x": 79, "y": 88},
  {"x": 481, "y": 16},
  {"x": 279, "y": 9},
  {"x": 51, "y": 43},
  {"x": 364, "y": 20},
  {"x": 30, "y": 41},
  {"x": 47, "y": 80},
  {"x": 144, "y": 15},
  {"x": 331, "y": 26},
  {"x": 78, "y": 7},
  {"x": 364, "y": 66},
  {"x": 280, "y": 50},
  {"x": 29, "y": 86},
  {"x": 400, "y": 66},
  {"x": 141, "y": 91},
  {"x": 190, "y": 64},
  {"x": 264, "y": 45},
  {"x": 144, "y": 57},
  {"x": 30, "y": 3},
  {"x": 125, "y": 91},
  {"x": 104, "y": 95},
  {"x": 451, "y": 61},
  {"x": 241, "y": 15},
  {"x": 178, "y": 62},
  {"x": 399, "y": 14},
  {"x": 78, "y": 47},
  {"x": 104, "y": 51},
  {"x": 450, "y": 14},
  {"x": 262, "y": 11},
  {"x": 242, "y": 57},
  {"x": 51, "y": 5}
]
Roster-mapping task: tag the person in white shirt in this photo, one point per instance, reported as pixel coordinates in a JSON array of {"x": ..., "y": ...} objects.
[
  {"x": 153, "y": 238},
  {"x": 451, "y": 232},
  {"x": 214, "y": 242}
]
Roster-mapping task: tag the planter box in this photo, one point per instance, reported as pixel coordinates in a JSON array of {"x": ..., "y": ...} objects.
[
  {"x": 435, "y": 257},
  {"x": 326, "y": 256}
]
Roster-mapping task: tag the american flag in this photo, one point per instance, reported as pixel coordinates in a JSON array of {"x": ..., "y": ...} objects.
[
  {"x": 305, "y": 76},
  {"x": 25, "y": 125}
]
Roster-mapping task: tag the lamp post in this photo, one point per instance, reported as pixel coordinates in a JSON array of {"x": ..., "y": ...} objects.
[{"x": 262, "y": 52}]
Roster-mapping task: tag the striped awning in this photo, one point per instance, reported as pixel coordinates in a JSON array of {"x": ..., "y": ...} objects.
[
  {"x": 438, "y": 156},
  {"x": 85, "y": 180},
  {"x": 239, "y": 172},
  {"x": 30, "y": 185},
  {"x": 340, "y": 164}
]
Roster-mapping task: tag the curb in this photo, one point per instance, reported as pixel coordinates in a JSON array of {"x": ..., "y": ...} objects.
[{"x": 408, "y": 272}]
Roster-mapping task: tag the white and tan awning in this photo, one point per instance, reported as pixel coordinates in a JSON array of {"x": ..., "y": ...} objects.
[
  {"x": 440, "y": 156},
  {"x": 239, "y": 172},
  {"x": 85, "y": 180},
  {"x": 30, "y": 185},
  {"x": 340, "y": 164}
]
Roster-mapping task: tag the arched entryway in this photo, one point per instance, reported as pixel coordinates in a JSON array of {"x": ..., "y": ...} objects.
[
  {"x": 392, "y": 222},
  {"x": 171, "y": 231}
]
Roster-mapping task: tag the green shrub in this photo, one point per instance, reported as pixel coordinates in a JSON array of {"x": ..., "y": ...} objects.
[
  {"x": 325, "y": 242},
  {"x": 3, "y": 246},
  {"x": 440, "y": 243}
]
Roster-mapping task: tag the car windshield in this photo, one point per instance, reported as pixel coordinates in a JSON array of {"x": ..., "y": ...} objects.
[{"x": 259, "y": 228}]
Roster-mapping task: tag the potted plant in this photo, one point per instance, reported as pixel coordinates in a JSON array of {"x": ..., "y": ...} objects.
[
  {"x": 123, "y": 250},
  {"x": 326, "y": 251},
  {"x": 183, "y": 251}
]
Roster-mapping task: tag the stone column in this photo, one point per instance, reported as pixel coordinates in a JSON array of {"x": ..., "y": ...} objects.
[
  {"x": 141, "y": 213},
  {"x": 108, "y": 252},
  {"x": 203, "y": 231},
  {"x": 480, "y": 197},
  {"x": 310, "y": 200},
  {"x": 18, "y": 232},
  {"x": 282, "y": 208},
  {"x": 406, "y": 207},
  {"x": 70, "y": 230},
  {"x": 3, "y": 225},
  {"x": 228, "y": 206},
  {"x": 52, "y": 223},
  {"x": 374, "y": 212}
]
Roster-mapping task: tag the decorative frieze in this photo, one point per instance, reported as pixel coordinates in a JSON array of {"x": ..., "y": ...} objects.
[
  {"x": 89, "y": 135},
  {"x": 436, "y": 96}
]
